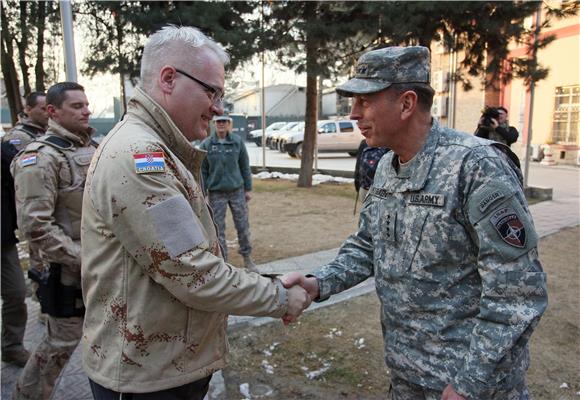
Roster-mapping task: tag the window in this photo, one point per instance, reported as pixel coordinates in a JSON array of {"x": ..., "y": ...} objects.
[
  {"x": 328, "y": 128},
  {"x": 346, "y": 126},
  {"x": 566, "y": 113}
]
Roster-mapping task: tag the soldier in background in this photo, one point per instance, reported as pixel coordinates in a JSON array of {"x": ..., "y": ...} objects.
[
  {"x": 447, "y": 234},
  {"x": 32, "y": 124},
  {"x": 49, "y": 180},
  {"x": 227, "y": 178},
  {"x": 14, "y": 311}
]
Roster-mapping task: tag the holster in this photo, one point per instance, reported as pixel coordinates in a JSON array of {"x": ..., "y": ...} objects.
[{"x": 56, "y": 299}]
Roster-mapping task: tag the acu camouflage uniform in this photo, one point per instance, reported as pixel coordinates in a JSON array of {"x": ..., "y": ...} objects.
[
  {"x": 451, "y": 243},
  {"x": 49, "y": 178},
  {"x": 156, "y": 288}
]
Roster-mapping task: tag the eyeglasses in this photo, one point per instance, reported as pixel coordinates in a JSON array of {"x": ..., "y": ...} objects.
[{"x": 217, "y": 96}]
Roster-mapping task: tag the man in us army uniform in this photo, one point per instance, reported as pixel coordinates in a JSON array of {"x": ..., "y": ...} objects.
[
  {"x": 157, "y": 289},
  {"x": 447, "y": 234},
  {"x": 49, "y": 176},
  {"x": 14, "y": 313}
]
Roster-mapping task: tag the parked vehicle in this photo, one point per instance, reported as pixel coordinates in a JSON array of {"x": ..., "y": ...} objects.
[
  {"x": 333, "y": 136},
  {"x": 256, "y": 135},
  {"x": 272, "y": 140}
]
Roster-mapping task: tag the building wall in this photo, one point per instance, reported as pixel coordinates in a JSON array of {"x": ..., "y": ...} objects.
[
  {"x": 281, "y": 100},
  {"x": 562, "y": 57},
  {"x": 468, "y": 103}
]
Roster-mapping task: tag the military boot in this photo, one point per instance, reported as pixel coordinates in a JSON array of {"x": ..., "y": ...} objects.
[
  {"x": 250, "y": 265},
  {"x": 15, "y": 357}
]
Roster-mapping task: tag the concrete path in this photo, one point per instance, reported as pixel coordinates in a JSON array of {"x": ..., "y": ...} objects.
[{"x": 550, "y": 216}]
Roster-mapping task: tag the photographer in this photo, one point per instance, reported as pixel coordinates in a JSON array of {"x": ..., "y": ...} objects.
[{"x": 493, "y": 126}]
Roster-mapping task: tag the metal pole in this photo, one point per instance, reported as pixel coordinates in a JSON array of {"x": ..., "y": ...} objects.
[
  {"x": 318, "y": 112},
  {"x": 66, "y": 20},
  {"x": 263, "y": 99},
  {"x": 532, "y": 90}
]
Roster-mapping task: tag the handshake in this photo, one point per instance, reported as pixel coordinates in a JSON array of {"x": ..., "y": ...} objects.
[{"x": 301, "y": 291}]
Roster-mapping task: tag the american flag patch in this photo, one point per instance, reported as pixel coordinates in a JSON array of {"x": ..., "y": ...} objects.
[
  {"x": 149, "y": 162},
  {"x": 29, "y": 159}
]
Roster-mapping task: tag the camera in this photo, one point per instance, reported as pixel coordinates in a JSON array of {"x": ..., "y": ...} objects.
[{"x": 488, "y": 114}]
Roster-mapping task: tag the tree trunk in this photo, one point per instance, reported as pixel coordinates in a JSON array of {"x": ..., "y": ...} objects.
[
  {"x": 310, "y": 129},
  {"x": 9, "y": 68},
  {"x": 23, "y": 45},
  {"x": 11, "y": 83},
  {"x": 39, "y": 66},
  {"x": 119, "y": 32}
]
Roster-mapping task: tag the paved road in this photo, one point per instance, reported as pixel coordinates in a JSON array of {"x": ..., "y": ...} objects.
[{"x": 333, "y": 161}]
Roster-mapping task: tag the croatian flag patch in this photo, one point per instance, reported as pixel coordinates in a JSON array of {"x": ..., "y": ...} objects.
[
  {"x": 149, "y": 162},
  {"x": 27, "y": 160}
]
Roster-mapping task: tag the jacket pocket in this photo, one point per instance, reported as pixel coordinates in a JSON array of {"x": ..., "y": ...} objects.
[{"x": 397, "y": 236}]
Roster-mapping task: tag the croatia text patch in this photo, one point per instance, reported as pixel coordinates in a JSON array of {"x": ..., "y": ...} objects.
[
  {"x": 509, "y": 226},
  {"x": 149, "y": 162},
  {"x": 29, "y": 159}
]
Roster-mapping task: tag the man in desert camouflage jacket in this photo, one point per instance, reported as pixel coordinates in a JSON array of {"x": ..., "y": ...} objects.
[
  {"x": 157, "y": 289},
  {"x": 448, "y": 236}
]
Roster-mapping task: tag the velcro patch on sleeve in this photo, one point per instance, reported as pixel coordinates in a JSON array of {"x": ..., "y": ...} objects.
[
  {"x": 149, "y": 162},
  {"x": 176, "y": 225},
  {"x": 510, "y": 227},
  {"x": 28, "y": 159},
  {"x": 15, "y": 141}
]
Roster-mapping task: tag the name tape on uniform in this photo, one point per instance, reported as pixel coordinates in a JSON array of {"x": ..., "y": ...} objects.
[
  {"x": 375, "y": 191},
  {"x": 149, "y": 162},
  {"x": 427, "y": 199}
]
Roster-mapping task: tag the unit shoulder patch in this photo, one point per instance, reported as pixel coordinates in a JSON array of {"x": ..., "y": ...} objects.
[
  {"x": 28, "y": 159},
  {"x": 489, "y": 199},
  {"x": 509, "y": 226},
  {"x": 149, "y": 162}
]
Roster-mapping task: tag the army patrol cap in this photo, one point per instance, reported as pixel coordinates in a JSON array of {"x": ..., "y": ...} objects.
[
  {"x": 379, "y": 69},
  {"x": 217, "y": 118}
]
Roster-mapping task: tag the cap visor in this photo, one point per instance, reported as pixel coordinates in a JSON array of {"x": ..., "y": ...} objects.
[{"x": 361, "y": 86}]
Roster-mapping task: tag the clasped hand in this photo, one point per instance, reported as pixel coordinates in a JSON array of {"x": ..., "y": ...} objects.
[{"x": 301, "y": 292}]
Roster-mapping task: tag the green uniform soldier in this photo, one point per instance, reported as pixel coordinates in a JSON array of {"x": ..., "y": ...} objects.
[
  {"x": 447, "y": 234},
  {"x": 227, "y": 178},
  {"x": 49, "y": 176}
]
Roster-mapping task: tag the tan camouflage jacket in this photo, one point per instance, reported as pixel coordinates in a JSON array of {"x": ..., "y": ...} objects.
[
  {"x": 49, "y": 177},
  {"x": 23, "y": 133},
  {"x": 157, "y": 291}
]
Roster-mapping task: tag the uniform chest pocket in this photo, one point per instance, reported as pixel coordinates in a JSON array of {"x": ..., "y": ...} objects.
[{"x": 397, "y": 232}]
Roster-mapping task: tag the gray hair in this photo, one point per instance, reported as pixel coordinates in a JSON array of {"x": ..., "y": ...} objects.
[
  {"x": 424, "y": 91},
  {"x": 168, "y": 46}
]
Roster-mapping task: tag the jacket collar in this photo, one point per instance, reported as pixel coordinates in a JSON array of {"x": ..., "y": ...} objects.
[
  {"x": 214, "y": 138},
  {"x": 83, "y": 139},
  {"x": 25, "y": 120},
  {"x": 413, "y": 175},
  {"x": 145, "y": 108}
]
